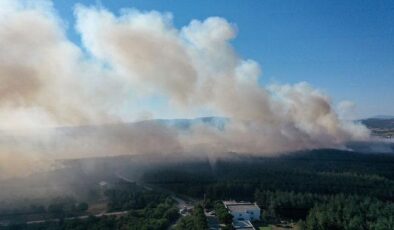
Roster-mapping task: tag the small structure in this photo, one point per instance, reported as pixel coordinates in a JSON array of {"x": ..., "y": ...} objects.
[
  {"x": 185, "y": 211},
  {"x": 243, "y": 210}
]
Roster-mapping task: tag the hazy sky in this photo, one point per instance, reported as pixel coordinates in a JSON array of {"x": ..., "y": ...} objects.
[{"x": 345, "y": 48}]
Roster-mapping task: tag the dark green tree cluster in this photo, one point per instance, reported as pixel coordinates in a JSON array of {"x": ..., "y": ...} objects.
[
  {"x": 326, "y": 212},
  {"x": 125, "y": 196},
  {"x": 153, "y": 217},
  {"x": 286, "y": 205},
  {"x": 352, "y": 213},
  {"x": 58, "y": 207},
  {"x": 195, "y": 221},
  {"x": 222, "y": 213}
]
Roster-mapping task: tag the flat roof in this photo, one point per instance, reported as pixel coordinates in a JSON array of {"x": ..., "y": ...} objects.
[{"x": 240, "y": 206}]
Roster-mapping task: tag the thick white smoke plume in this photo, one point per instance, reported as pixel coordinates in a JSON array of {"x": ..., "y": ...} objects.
[{"x": 48, "y": 81}]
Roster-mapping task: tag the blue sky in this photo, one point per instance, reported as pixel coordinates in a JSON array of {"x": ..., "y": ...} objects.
[{"x": 345, "y": 48}]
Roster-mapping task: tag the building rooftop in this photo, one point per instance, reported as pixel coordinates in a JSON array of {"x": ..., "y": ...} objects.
[{"x": 240, "y": 206}]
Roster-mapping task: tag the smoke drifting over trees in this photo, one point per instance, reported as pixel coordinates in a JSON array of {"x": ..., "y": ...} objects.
[{"x": 48, "y": 81}]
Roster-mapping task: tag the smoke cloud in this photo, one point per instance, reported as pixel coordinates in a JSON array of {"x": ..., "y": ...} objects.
[{"x": 48, "y": 81}]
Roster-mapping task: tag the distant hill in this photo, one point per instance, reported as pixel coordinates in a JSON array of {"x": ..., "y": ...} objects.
[
  {"x": 383, "y": 117},
  {"x": 379, "y": 123},
  {"x": 185, "y": 124},
  {"x": 382, "y": 126}
]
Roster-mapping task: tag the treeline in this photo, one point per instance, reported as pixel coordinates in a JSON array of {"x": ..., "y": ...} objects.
[{"x": 195, "y": 221}]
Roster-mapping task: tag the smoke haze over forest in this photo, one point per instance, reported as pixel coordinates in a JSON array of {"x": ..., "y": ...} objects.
[{"x": 62, "y": 100}]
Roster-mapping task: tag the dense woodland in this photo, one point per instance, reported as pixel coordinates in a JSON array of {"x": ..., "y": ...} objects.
[
  {"x": 195, "y": 221},
  {"x": 326, "y": 211},
  {"x": 126, "y": 196},
  {"x": 324, "y": 189},
  {"x": 222, "y": 213},
  {"x": 146, "y": 210},
  {"x": 58, "y": 207}
]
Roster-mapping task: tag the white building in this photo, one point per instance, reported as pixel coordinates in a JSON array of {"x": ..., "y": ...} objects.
[{"x": 243, "y": 210}]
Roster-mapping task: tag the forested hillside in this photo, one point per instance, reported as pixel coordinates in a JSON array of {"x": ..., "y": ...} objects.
[{"x": 319, "y": 187}]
